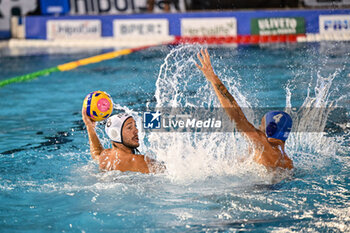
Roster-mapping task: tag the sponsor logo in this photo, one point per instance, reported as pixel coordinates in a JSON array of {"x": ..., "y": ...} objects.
[
  {"x": 83, "y": 7},
  {"x": 323, "y": 3},
  {"x": 73, "y": 29},
  {"x": 151, "y": 120},
  {"x": 141, "y": 27},
  {"x": 338, "y": 24},
  {"x": 278, "y": 26},
  {"x": 209, "y": 27}
]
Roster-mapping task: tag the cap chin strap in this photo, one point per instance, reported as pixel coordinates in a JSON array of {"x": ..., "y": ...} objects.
[
  {"x": 121, "y": 129},
  {"x": 136, "y": 151}
]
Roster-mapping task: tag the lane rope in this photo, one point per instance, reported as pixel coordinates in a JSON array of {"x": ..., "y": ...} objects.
[
  {"x": 69, "y": 66},
  {"x": 241, "y": 39}
]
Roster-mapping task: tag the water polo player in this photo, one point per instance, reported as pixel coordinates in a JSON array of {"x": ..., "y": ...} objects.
[
  {"x": 269, "y": 139},
  {"x": 123, "y": 133}
]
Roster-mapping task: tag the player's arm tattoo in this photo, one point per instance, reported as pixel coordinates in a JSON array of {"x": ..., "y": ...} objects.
[{"x": 223, "y": 90}]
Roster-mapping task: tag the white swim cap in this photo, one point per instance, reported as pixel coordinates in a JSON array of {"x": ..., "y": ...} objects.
[{"x": 115, "y": 125}]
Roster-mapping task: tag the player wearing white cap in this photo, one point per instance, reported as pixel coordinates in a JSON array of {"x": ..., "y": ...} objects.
[{"x": 123, "y": 133}]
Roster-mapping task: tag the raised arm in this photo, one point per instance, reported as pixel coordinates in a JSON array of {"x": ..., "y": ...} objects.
[
  {"x": 226, "y": 99},
  {"x": 96, "y": 147}
]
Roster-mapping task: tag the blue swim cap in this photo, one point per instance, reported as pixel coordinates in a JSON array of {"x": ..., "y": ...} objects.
[{"x": 278, "y": 125}]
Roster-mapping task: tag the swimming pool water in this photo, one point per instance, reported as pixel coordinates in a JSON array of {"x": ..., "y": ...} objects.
[{"x": 48, "y": 182}]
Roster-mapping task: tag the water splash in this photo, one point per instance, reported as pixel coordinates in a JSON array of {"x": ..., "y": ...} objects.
[
  {"x": 197, "y": 156},
  {"x": 311, "y": 147}
]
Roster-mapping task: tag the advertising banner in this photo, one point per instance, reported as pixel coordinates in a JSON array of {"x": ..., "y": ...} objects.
[
  {"x": 98, "y": 7},
  {"x": 73, "y": 29},
  {"x": 140, "y": 27},
  {"x": 9, "y": 8},
  {"x": 209, "y": 26},
  {"x": 54, "y": 6},
  {"x": 323, "y": 3},
  {"x": 277, "y": 26},
  {"x": 334, "y": 24}
]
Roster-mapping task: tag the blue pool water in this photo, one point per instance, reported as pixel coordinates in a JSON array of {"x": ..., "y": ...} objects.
[{"x": 48, "y": 182}]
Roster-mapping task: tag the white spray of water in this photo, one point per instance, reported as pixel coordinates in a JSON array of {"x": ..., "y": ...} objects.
[
  {"x": 308, "y": 144},
  {"x": 196, "y": 156}
]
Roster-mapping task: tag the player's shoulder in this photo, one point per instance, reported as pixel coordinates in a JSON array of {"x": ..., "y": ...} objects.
[
  {"x": 139, "y": 157},
  {"x": 258, "y": 138},
  {"x": 106, "y": 153}
]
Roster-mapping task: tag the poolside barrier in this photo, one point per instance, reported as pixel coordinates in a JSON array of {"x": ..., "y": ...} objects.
[{"x": 241, "y": 39}]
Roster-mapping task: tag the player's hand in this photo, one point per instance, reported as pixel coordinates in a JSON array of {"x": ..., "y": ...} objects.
[
  {"x": 87, "y": 121},
  {"x": 206, "y": 67}
]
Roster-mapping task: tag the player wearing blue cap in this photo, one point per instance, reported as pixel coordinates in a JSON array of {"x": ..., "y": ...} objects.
[{"x": 269, "y": 139}]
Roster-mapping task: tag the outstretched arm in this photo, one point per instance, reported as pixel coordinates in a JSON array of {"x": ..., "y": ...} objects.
[
  {"x": 226, "y": 99},
  {"x": 96, "y": 147}
]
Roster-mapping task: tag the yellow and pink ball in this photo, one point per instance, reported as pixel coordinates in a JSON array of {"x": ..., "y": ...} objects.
[{"x": 98, "y": 105}]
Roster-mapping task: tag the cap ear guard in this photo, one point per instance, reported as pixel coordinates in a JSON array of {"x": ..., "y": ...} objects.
[
  {"x": 271, "y": 129},
  {"x": 115, "y": 135}
]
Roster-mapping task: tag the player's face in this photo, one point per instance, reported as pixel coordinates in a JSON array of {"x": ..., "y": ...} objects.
[
  {"x": 130, "y": 134},
  {"x": 262, "y": 125}
]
